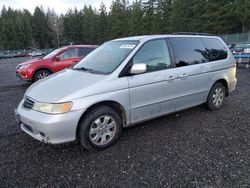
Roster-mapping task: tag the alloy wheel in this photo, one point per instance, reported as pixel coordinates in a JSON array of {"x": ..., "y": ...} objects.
[
  {"x": 218, "y": 97},
  {"x": 102, "y": 130}
]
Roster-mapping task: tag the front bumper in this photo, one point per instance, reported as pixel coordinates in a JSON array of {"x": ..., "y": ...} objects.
[
  {"x": 22, "y": 78},
  {"x": 48, "y": 128}
]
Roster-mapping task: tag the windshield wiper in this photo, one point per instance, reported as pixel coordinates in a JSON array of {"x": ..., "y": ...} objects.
[
  {"x": 88, "y": 70},
  {"x": 83, "y": 69}
]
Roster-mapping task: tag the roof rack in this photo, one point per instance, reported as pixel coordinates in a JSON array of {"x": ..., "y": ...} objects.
[{"x": 192, "y": 33}]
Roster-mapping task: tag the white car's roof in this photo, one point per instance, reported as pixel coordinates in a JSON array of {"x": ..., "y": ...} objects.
[{"x": 149, "y": 37}]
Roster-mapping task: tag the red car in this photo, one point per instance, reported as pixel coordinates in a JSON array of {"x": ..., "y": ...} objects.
[{"x": 35, "y": 69}]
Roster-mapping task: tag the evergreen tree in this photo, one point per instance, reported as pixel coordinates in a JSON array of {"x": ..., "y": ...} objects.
[
  {"x": 89, "y": 31},
  {"x": 218, "y": 17},
  {"x": 73, "y": 26},
  {"x": 55, "y": 27},
  {"x": 181, "y": 17},
  {"x": 26, "y": 29},
  {"x": 243, "y": 13},
  {"x": 136, "y": 25},
  {"x": 40, "y": 28},
  {"x": 151, "y": 18},
  {"x": 10, "y": 29},
  {"x": 21, "y": 29},
  {"x": 164, "y": 10},
  {"x": 118, "y": 19},
  {"x": 102, "y": 25}
]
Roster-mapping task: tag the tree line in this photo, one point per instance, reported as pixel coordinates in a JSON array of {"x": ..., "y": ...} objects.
[{"x": 19, "y": 29}]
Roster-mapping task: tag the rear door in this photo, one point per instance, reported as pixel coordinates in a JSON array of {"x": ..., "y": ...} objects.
[
  {"x": 152, "y": 93},
  {"x": 193, "y": 71},
  {"x": 67, "y": 58}
]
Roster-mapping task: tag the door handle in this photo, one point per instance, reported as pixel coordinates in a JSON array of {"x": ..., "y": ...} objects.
[
  {"x": 183, "y": 76},
  {"x": 170, "y": 78}
]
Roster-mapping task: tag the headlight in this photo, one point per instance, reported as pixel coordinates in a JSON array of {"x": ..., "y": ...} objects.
[
  {"x": 52, "y": 108},
  {"x": 24, "y": 66}
]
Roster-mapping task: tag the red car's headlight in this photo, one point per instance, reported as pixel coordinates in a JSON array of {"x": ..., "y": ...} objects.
[{"x": 24, "y": 66}]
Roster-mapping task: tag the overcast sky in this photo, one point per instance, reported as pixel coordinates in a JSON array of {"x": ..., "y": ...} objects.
[{"x": 60, "y": 6}]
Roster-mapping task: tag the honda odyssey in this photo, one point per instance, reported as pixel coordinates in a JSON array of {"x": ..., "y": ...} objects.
[{"x": 124, "y": 82}]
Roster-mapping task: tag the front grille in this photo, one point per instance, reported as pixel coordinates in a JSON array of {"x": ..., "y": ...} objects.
[{"x": 28, "y": 103}]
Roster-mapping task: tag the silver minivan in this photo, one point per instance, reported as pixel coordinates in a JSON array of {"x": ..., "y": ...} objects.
[{"x": 124, "y": 82}]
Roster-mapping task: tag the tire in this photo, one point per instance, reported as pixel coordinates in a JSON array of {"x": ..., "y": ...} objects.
[
  {"x": 216, "y": 97},
  {"x": 100, "y": 123},
  {"x": 41, "y": 74}
]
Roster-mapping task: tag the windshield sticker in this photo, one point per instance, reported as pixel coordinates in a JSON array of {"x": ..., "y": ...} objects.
[{"x": 129, "y": 46}]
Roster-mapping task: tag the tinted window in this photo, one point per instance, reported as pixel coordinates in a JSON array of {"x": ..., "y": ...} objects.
[
  {"x": 68, "y": 54},
  {"x": 215, "y": 50},
  {"x": 187, "y": 51},
  {"x": 82, "y": 52},
  {"x": 154, "y": 54}
]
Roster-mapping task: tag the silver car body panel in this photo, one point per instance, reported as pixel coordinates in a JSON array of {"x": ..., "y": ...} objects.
[
  {"x": 49, "y": 128},
  {"x": 142, "y": 97}
]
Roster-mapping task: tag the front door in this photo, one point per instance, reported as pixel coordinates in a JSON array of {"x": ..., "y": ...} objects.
[
  {"x": 153, "y": 92},
  {"x": 67, "y": 58}
]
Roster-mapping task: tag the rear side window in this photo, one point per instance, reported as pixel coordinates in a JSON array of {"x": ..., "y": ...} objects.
[
  {"x": 82, "y": 52},
  {"x": 188, "y": 51},
  {"x": 215, "y": 50}
]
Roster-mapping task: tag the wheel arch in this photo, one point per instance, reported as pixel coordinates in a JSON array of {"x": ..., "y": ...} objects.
[
  {"x": 39, "y": 69},
  {"x": 225, "y": 83},
  {"x": 113, "y": 104}
]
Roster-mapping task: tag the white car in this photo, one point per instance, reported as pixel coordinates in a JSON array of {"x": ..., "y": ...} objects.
[{"x": 124, "y": 82}]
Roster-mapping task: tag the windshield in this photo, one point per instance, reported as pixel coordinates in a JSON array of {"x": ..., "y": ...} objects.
[
  {"x": 51, "y": 54},
  {"x": 106, "y": 58}
]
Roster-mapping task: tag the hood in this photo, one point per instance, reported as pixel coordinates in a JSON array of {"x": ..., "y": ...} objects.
[
  {"x": 31, "y": 61},
  {"x": 65, "y": 85}
]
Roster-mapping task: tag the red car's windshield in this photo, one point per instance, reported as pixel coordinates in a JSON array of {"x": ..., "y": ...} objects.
[{"x": 51, "y": 54}]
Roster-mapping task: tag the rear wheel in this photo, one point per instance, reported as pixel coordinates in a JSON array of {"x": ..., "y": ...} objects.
[
  {"x": 41, "y": 74},
  {"x": 100, "y": 128},
  {"x": 216, "y": 96}
]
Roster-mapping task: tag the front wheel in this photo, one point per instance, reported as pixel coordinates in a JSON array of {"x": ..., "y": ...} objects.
[
  {"x": 216, "y": 96},
  {"x": 100, "y": 128},
  {"x": 41, "y": 74}
]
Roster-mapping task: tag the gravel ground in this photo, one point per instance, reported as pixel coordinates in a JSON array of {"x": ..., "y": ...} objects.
[{"x": 192, "y": 148}]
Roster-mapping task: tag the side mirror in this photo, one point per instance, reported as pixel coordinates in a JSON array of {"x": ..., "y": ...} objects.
[
  {"x": 138, "y": 68},
  {"x": 57, "y": 58}
]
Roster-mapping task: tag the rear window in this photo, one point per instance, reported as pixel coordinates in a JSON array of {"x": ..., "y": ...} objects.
[
  {"x": 215, "y": 50},
  {"x": 187, "y": 51}
]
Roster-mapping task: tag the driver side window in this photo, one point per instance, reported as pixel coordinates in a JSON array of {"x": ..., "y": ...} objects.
[
  {"x": 154, "y": 54},
  {"x": 71, "y": 53}
]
